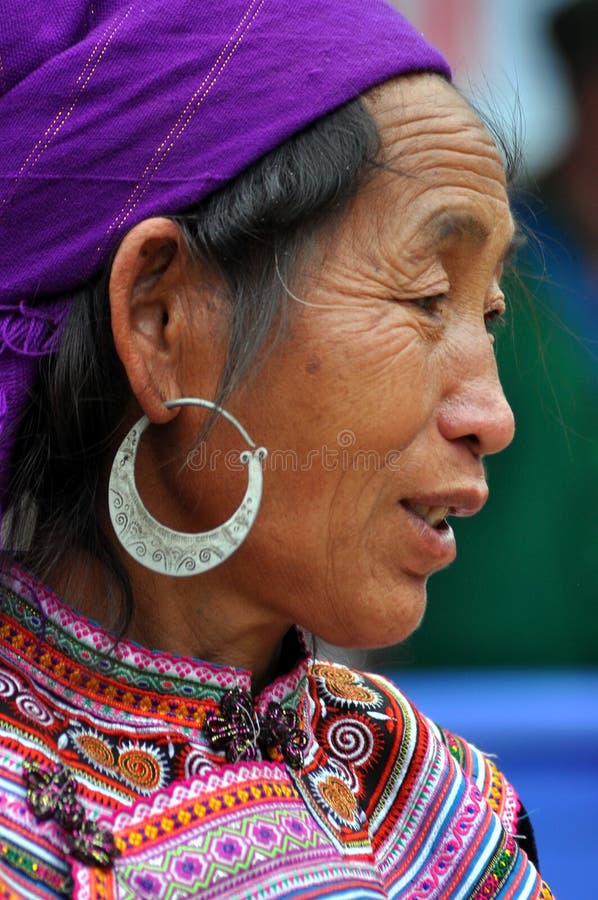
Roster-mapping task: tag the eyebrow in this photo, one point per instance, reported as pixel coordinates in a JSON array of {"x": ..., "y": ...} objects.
[{"x": 448, "y": 224}]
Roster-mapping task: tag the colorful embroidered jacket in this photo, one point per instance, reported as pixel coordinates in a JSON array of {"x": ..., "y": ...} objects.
[{"x": 113, "y": 746}]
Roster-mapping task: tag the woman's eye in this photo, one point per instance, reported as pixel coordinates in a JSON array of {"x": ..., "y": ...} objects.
[{"x": 432, "y": 305}]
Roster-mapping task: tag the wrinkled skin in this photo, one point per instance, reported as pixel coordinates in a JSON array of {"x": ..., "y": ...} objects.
[{"x": 389, "y": 353}]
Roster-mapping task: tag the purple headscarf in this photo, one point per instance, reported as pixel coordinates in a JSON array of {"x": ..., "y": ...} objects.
[{"x": 115, "y": 110}]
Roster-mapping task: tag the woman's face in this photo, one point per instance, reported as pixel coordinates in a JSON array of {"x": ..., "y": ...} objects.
[{"x": 379, "y": 406}]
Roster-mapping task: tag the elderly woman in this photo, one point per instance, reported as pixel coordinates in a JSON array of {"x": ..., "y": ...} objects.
[{"x": 251, "y": 260}]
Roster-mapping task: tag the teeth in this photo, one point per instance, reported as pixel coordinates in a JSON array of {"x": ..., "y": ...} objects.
[{"x": 433, "y": 515}]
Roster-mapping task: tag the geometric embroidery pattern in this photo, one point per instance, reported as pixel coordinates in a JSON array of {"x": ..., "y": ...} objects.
[
  {"x": 216, "y": 852},
  {"x": 385, "y": 804}
]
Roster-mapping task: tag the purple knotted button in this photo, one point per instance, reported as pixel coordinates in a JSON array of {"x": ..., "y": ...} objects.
[
  {"x": 237, "y": 729},
  {"x": 280, "y": 730},
  {"x": 51, "y": 794}
]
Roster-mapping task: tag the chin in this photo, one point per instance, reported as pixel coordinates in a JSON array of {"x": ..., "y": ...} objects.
[{"x": 373, "y": 621}]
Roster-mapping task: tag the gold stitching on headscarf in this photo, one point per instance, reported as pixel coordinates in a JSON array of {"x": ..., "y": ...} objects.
[
  {"x": 63, "y": 114},
  {"x": 185, "y": 116}
]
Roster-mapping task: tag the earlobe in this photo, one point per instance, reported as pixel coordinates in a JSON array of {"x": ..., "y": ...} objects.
[{"x": 146, "y": 287}]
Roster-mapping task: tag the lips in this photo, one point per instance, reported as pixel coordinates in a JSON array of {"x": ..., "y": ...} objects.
[
  {"x": 462, "y": 501},
  {"x": 427, "y": 533},
  {"x": 435, "y": 516}
]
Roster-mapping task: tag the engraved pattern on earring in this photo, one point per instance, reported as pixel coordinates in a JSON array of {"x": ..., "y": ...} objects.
[{"x": 163, "y": 549}]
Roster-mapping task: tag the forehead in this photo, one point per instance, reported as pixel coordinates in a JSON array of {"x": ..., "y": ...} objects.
[
  {"x": 438, "y": 157},
  {"x": 422, "y": 115}
]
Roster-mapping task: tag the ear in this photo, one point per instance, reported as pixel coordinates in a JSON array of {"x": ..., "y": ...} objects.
[{"x": 149, "y": 284}]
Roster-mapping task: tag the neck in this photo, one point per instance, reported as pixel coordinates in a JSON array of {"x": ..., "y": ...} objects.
[
  {"x": 191, "y": 620},
  {"x": 182, "y": 616}
]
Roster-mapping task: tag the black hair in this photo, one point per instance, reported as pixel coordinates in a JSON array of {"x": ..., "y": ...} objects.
[{"x": 252, "y": 234}]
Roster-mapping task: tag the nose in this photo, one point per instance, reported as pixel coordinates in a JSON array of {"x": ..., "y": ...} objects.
[{"x": 477, "y": 413}]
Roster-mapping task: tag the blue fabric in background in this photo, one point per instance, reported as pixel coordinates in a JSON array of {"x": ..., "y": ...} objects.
[{"x": 542, "y": 726}]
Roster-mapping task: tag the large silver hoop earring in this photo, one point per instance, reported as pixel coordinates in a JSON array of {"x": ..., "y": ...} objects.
[{"x": 160, "y": 548}]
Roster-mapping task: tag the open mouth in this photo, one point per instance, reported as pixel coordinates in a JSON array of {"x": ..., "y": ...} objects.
[{"x": 434, "y": 516}]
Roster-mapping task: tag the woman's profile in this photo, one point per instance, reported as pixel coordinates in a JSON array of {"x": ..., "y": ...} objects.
[{"x": 236, "y": 235}]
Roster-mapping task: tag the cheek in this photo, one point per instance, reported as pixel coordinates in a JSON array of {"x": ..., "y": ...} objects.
[
  {"x": 334, "y": 415},
  {"x": 331, "y": 406},
  {"x": 396, "y": 383},
  {"x": 372, "y": 356}
]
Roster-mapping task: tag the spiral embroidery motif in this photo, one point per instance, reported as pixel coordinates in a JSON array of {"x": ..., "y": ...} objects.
[
  {"x": 339, "y": 797},
  {"x": 343, "y": 685},
  {"x": 335, "y": 791},
  {"x": 351, "y": 740},
  {"x": 28, "y": 705},
  {"x": 142, "y": 767},
  {"x": 97, "y": 750},
  {"x": 9, "y": 686},
  {"x": 196, "y": 763}
]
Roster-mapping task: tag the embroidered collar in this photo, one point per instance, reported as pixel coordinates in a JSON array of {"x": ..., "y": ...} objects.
[{"x": 81, "y": 661}]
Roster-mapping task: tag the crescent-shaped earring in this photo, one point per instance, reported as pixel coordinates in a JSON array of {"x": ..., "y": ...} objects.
[{"x": 160, "y": 548}]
